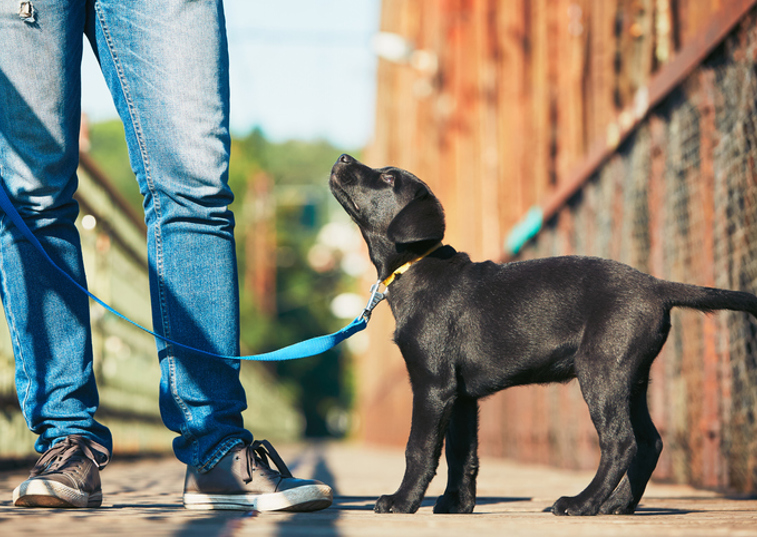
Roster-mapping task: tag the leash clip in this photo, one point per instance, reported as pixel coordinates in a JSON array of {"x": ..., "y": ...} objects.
[
  {"x": 373, "y": 301},
  {"x": 27, "y": 12}
]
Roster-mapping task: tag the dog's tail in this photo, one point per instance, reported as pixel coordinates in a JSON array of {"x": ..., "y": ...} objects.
[{"x": 707, "y": 299}]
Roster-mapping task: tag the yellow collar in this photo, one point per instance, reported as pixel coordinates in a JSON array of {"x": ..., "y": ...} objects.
[{"x": 407, "y": 265}]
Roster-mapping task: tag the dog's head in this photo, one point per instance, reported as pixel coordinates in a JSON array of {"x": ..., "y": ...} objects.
[{"x": 396, "y": 212}]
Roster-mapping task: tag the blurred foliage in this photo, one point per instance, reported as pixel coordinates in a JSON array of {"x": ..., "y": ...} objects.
[
  {"x": 108, "y": 149},
  {"x": 298, "y": 172}
]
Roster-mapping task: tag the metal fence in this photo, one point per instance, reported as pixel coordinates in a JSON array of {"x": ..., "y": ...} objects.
[{"x": 679, "y": 200}]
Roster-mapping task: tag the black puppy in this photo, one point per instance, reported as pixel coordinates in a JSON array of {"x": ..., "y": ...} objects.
[{"x": 467, "y": 330}]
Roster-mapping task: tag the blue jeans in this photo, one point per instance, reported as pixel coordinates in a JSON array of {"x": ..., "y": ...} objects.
[{"x": 166, "y": 64}]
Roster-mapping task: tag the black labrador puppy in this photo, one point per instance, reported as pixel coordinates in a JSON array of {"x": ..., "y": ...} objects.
[{"x": 467, "y": 330}]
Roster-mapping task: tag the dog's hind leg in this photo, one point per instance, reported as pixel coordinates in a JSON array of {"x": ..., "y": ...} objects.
[
  {"x": 461, "y": 450},
  {"x": 608, "y": 397},
  {"x": 649, "y": 446},
  {"x": 432, "y": 408}
]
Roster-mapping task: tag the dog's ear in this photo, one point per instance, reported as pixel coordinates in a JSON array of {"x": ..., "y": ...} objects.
[{"x": 420, "y": 220}]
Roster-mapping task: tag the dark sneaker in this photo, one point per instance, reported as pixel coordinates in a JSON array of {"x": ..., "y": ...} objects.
[
  {"x": 243, "y": 479},
  {"x": 67, "y": 475}
]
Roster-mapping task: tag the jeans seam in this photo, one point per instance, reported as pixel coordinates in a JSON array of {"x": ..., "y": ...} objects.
[
  {"x": 18, "y": 350},
  {"x": 156, "y": 207},
  {"x": 12, "y": 325}
]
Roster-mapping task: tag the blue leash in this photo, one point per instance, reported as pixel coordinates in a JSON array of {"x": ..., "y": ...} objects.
[{"x": 303, "y": 349}]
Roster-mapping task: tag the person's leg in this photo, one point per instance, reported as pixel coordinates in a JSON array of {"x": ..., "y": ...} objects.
[
  {"x": 47, "y": 317},
  {"x": 39, "y": 141},
  {"x": 166, "y": 65}
]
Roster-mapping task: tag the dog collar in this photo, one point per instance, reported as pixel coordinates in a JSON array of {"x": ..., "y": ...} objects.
[
  {"x": 407, "y": 265},
  {"x": 377, "y": 296}
]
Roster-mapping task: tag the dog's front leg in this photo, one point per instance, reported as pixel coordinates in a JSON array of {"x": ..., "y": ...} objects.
[
  {"x": 431, "y": 411},
  {"x": 461, "y": 449}
]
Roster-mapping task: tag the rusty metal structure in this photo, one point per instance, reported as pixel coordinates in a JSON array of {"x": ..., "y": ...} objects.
[{"x": 622, "y": 128}]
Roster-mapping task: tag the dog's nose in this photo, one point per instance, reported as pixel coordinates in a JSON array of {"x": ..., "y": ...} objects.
[{"x": 346, "y": 159}]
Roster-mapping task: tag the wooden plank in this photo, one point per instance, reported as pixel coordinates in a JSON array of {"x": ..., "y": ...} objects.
[{"x": 512, "y": 121}]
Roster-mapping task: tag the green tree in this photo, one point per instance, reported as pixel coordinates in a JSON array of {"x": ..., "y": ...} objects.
[
  {"x": 108, "y": 149},
  {"x": 299, "y": 172}
]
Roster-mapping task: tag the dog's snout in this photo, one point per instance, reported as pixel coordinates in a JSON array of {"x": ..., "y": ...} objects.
[{"x": 342, "y": 171}]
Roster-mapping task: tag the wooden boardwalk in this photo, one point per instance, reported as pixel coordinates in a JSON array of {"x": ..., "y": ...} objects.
[{"x": 143, "y": 497}]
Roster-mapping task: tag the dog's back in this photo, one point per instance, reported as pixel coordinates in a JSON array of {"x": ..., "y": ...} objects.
[{"x": 528, "y": 319}]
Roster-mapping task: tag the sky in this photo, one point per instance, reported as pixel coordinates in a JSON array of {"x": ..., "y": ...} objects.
[{"x": 300, "y": 69}]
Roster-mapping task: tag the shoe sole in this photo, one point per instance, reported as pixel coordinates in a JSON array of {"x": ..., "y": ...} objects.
[
  {"x": 42, "y": 493},
  {"x": 300, "y": 499}
]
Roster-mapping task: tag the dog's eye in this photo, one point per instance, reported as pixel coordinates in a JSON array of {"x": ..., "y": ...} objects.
[{"x": 388, "y": 178}]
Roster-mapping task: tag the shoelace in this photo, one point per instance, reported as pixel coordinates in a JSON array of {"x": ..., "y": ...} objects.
[
  {"x": 258, "y": 454},
  {"x": 70, "y": 449}
]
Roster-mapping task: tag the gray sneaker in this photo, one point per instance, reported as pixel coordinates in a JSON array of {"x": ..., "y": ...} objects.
[
  {"x": 243, "y": 479},
  {"x": 66, "y": 475}
]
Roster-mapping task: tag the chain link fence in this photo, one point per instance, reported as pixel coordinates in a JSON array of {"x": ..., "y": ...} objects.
[{"x": 679, "y": 200}]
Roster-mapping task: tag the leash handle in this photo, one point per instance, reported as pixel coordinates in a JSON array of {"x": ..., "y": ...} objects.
[{"x": 303, "y": 349}]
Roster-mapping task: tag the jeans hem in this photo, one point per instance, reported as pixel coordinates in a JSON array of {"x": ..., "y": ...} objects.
[{"x": 219, "y": 454}]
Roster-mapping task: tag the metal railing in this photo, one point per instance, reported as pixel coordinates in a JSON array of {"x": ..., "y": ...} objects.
[{"x": 678, "y": 199}]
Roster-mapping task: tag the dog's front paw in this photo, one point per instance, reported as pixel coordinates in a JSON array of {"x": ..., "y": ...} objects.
[
  {"x": 390, "y": 503},
  {"x": 567, "y": 506},
  {"x": 384, "y": 504},
  {"x": 454, "y": 503}
]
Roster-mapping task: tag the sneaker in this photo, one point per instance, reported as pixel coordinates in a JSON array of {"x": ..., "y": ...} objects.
[
  {"x": 66, "y": 475},
  {"x": 244, "y": 479}
]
